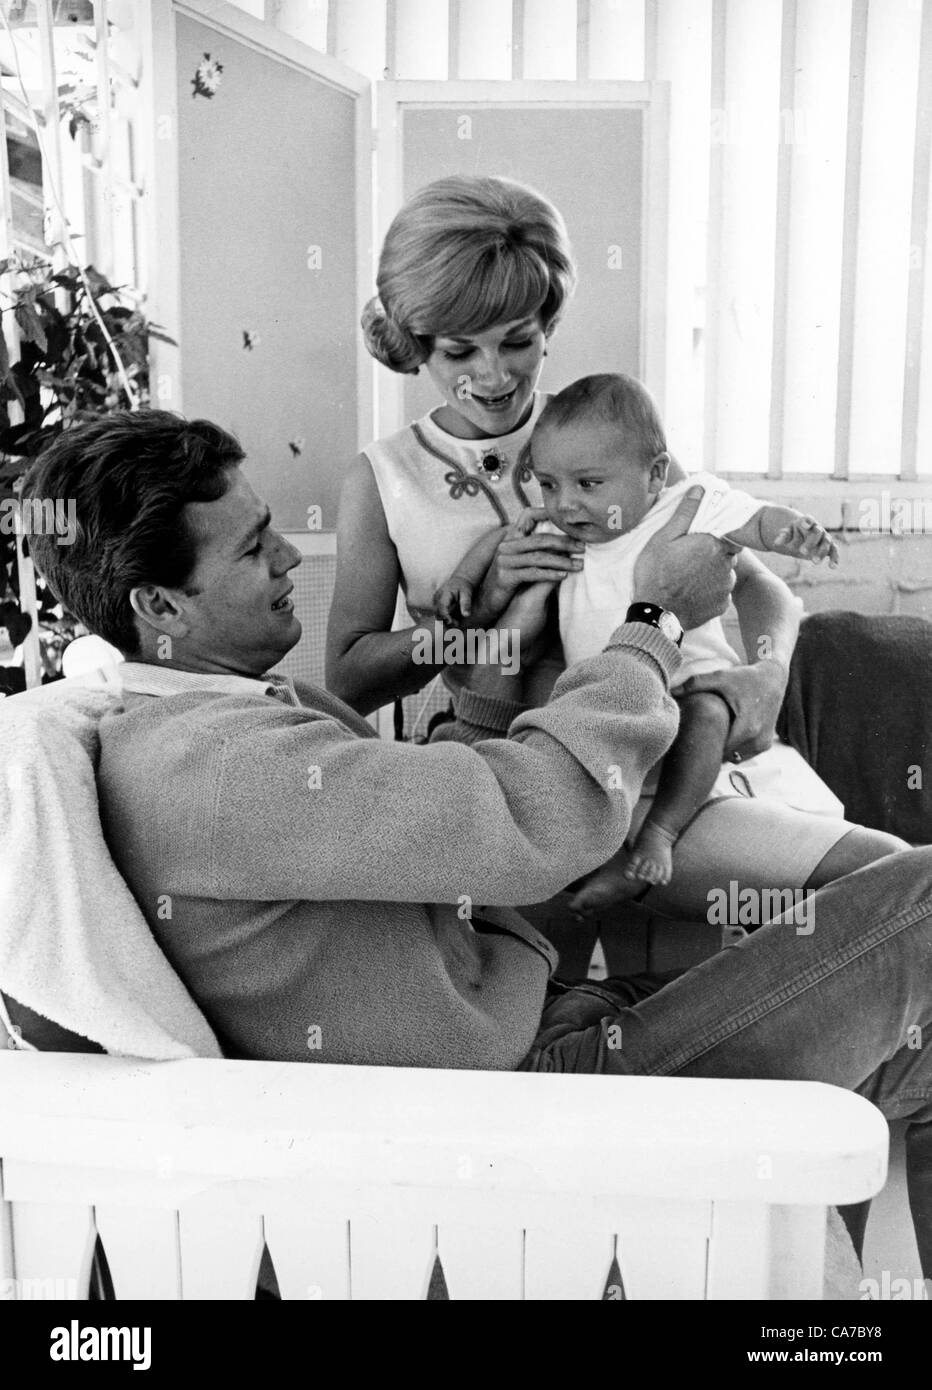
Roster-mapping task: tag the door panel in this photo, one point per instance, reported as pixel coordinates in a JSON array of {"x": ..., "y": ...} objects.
[
  {"x": 271, "y": 188},
  {"x": 598, "y": 151}
]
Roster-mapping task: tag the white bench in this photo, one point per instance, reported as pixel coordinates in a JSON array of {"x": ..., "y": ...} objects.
[{"x": 357, "y": 1178}]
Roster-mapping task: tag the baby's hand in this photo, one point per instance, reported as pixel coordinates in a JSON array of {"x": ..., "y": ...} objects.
[
  {"x": 806, "y": 539},
  {"x": 525, "y": 522},
  {"x": 453, "y": 600}
]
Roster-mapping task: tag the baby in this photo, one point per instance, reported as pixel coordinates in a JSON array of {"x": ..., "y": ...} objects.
[{"x": 600, "y": 456}]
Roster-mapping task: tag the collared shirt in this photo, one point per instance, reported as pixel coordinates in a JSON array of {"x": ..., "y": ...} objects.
[{"x": 146, "y": 678}]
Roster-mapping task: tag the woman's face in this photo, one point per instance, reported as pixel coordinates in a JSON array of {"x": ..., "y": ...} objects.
[{"x": 487, "y": 379}]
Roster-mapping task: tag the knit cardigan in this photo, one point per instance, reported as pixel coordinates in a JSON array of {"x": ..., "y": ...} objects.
[{"x": 327, "y": 896}]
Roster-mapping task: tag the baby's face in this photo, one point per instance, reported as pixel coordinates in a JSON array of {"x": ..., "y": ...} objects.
[{"x": 594, "y": 487}]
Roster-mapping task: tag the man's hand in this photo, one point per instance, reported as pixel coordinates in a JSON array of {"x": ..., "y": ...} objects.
[
  {"x": 692, "y": 576},
  {"x": 754, "y": 694}
]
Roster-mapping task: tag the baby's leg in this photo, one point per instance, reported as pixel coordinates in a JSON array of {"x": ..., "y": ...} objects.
[
  {"x": 688, "y": 773},
  {"x": 686, "y": 778}
]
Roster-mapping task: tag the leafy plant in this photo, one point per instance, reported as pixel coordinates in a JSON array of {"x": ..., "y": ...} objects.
[{"x": 65, "y": 370}]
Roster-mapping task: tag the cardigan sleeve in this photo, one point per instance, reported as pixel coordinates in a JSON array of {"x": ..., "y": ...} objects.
[{"x": 301, "y": 808}]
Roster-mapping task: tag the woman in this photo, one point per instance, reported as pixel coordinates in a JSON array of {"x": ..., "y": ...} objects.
[{"x": 473, "y": 278}]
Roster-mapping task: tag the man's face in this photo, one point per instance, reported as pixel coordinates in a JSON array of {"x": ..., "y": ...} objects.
[
  {"x": 594, "y": 487},
  {"x": 238, "y": 613}
]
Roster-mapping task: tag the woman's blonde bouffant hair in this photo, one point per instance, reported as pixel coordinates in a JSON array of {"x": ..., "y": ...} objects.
[{"x": 464, "y": 254}]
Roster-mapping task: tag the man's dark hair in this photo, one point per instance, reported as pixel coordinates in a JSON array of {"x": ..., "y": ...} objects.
[
  {"x": 128, "y": 475},
  {"x": 617, "y": 400}
]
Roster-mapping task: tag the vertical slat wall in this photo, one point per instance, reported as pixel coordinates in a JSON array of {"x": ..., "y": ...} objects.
[
  {"x": 123, "y": 182},
  {"x": 548, "y": 39},
  {"x": 744, "y": 133},
  {"x": 480, "y": 39},
  {"x": 919, "y": 309},
  {"x": 681, "y": 56},
  {"x": 800, "y": 153},
  {"x": 781, "y": 306},
  {"x": 418, "y": 40},
  {"x": 811, "y": 224},
  {"x": 849, "y": 241},
  {"x": 798, "y": 304},
  {"x": 98, "y": 206},
  {"x": 882, "y": 277},
  {"x": 52, "y": 180},
  {"x": 356, "y": 35},
  {"x": 614, "y": 30},
  {"x": 921, "y": 281}
]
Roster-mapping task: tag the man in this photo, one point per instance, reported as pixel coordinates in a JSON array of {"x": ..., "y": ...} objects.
[{"x": 335, "y": 898}]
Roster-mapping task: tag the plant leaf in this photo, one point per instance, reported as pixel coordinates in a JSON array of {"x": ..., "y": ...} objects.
[
  {"x": 161, "y": 335},
  {"x": 31, "y": 324},
  {"x": 99, "y": 283},
  {"x": 16, "y": 622}
]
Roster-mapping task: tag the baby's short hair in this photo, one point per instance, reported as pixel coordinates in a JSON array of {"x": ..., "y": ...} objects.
[{"x": 615, "y": 399}]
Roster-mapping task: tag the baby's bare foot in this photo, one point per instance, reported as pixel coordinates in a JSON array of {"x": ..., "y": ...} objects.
[
  {"x": 651, "y": 860},
  {"x": 630, "y": 871},
  {"x": 610, "y": 884}
]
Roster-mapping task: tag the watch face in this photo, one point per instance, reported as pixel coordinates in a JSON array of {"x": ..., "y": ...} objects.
[{"x": 670, "y": 626}]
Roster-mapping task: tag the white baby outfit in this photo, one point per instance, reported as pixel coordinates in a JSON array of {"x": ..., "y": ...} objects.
[{"x": 593, "y": 603}]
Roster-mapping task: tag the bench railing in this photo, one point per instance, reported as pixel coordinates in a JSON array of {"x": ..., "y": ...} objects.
[{"x": 358, "y": 1180}]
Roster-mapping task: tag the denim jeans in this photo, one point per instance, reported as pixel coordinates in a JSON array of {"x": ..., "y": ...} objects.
[{"x": 847, "y": 999}]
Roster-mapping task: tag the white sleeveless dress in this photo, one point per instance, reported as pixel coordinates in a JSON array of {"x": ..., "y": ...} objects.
[{"x": 438, "y": 500}]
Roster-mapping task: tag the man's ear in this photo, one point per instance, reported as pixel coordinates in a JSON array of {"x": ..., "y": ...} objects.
[
  {"x": 158, "y": 608},
  {"x": 658, "y": 472}
]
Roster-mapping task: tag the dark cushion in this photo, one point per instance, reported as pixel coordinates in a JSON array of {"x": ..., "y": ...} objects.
[{"x": 858, "y": 708}]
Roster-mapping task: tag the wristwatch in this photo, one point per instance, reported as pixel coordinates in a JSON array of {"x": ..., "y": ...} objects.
[{"x": 655, "y": 616}]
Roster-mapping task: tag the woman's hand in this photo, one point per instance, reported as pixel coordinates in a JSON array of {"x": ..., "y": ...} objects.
[
  {"x": 524, "y": 559},
  {"x": 754, "y": 694}
]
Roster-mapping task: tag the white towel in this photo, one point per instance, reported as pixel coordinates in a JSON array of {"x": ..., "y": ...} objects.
[{"x": 74, "y": 945}]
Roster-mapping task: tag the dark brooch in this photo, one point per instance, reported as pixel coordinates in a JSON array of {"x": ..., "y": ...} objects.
[{"x": 493, "y": 465}]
